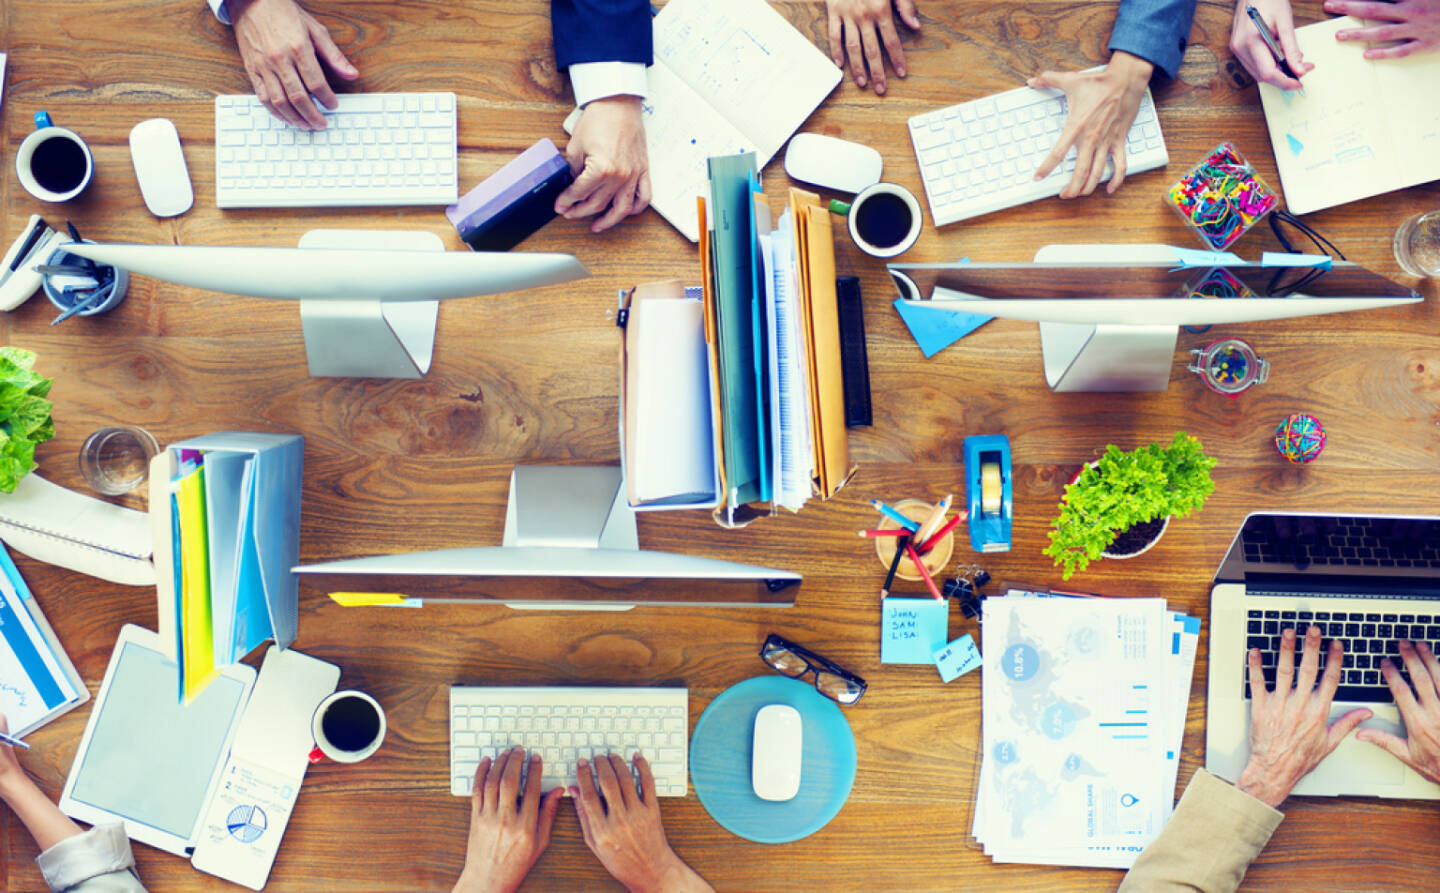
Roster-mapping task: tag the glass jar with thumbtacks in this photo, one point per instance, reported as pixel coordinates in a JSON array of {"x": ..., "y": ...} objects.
[
  {"x": 1229, "y": 366},
  {"x": 831, "y": 680}
]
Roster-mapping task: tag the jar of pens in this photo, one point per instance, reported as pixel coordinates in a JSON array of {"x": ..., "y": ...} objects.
[
  {"x": 78, "y": 286},
  {"x": 915, "y": 540}
]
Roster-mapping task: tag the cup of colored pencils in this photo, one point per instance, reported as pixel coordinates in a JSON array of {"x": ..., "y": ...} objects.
[{"x": 934, "y": 542}]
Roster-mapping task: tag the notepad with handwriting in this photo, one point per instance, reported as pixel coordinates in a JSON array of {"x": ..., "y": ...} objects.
[
  {"x": 728, "y": 78},
  {"x": 1364, "y": 127}
]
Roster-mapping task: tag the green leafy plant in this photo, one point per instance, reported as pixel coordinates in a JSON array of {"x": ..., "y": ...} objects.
[
  {"x": 1124, "y": 489},
  {"x": 24, "y": 415}
]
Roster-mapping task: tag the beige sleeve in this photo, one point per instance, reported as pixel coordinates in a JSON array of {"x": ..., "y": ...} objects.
[{"x": 1210, "y": 841}]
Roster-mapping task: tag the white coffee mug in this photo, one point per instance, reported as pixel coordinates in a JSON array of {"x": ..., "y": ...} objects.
[
  {"x": 60, "y": 171},
  {"x": 339, "y": 741},
  {"x": 879, "y": 229}
]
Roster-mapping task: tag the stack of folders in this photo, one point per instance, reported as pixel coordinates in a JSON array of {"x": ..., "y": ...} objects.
[
  {"x": 1083, "y": 714},
  {"x": 771, "y": 349},
  {"x": 225, "y": 515},
  {"x": 37, "y": 680}
]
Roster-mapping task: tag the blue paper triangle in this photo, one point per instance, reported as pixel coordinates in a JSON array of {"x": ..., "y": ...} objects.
[{"x": 936, "y": 328}]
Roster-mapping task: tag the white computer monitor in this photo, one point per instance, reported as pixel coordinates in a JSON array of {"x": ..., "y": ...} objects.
[
  {"x": 1109, "y": 315},
  {"x": 369, "y": 299},
  {"x": 570, "y": 543}
]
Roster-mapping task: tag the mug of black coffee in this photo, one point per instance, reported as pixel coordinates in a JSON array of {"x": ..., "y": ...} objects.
[
  {"x": 884, "y": 219},
  {"x": 348, "y": 727},
  {"x": 53, "y": 163}
]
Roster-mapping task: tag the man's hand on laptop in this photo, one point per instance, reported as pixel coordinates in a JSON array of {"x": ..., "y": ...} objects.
[
  {"x": 1419, "y": 707},
  {"x": 1288, "y": 731}
]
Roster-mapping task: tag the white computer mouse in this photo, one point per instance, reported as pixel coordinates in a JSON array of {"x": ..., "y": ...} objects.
[
  {"x": 832, "y": 163},
  {"x": 775, "y": 759},
  {"x": 160, "y": 167}
]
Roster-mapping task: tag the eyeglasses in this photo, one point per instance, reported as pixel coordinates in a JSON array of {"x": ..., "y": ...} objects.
[{"x": 831, "y": 680}]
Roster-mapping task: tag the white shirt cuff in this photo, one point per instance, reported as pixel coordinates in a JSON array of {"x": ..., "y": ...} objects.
[
  {"x": 601, "y": 80},
  {"x": 101, "y": 850},
  {"x": 220, "y": 12}
]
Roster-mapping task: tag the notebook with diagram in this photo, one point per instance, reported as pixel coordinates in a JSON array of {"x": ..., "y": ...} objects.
[{"x": 1363, "y": 127}]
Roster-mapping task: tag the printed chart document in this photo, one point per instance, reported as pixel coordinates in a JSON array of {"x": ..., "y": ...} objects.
[
  {"x": 37, "y": 680},
  {"x": 728, "y": 78},
  {"x": 1082, "y": 715},
  {"x": 1364, "y": 127}
]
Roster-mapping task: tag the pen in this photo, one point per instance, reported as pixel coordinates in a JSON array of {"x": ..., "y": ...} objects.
[
  {"x": 6, "y": 738},
  {"x": 888, "y": 531},
  {"x": 36, "y": 232},
  {"x": 932, "y": 523},
  {"x": 924, "y": 571},
  {"x": 1270, "y": 41},
  {"x": 894, "y": 564},
  {"x": 895, "y": 516},
  {"x": 929, "y": 543}
]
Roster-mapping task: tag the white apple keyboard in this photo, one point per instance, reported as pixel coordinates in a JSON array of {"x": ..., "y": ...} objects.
[
  {"x": 563, "y": 724},
  {"x": 377, "y": 149},
  {"x": 981, "y": 156}
]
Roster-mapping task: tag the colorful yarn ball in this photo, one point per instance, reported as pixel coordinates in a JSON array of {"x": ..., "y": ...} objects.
[{"x": 1299, "y": 438}]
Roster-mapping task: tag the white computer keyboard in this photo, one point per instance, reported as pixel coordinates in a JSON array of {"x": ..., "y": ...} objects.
[
  {"x": 981, "y": 156},
  {"x": 377, "y": 149},
  {"x": 564, "y": 724}
]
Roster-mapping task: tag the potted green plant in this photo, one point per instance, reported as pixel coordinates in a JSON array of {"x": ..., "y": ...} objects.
[
  {"x": 24, "y": 415},
  {"x": 1119, "y": 505}
]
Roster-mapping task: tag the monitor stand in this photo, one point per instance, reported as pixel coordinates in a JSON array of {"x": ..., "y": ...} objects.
[
  {"x": 1109, "y": 358},
  {"x": 347, "y": 338}
]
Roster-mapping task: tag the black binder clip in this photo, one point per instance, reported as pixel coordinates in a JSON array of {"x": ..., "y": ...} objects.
[{"x": 965, "y": 586}]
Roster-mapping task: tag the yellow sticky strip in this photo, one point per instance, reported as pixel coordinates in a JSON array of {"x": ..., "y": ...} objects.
[
  {"x": 990, "y": 489},
  {"x": 367, "y": 599}
]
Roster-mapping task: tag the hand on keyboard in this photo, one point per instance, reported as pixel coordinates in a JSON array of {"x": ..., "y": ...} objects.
[
  {"x": 279, "y": 44},
  {"x": 1288, "y": 731},
  {"x": 1419, "y": 707},
  {"x": 624, "y": 831},
  {"x": 607, "y": 155},
  {"x": 1102, "y": 106},
  {"x": 858, "y": 28},
  {"x": 508, "y": 830}
]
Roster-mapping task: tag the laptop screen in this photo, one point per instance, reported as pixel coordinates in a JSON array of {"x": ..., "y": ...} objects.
[{"x": 1350, "y": 551}]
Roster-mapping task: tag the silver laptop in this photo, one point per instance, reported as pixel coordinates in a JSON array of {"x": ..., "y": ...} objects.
[{"x": 1368, "y": 580}]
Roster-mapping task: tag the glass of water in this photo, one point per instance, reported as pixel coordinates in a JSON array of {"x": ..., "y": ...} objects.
[
  {"x": 1417, "y": 245},
  {"x": 116, "y": 458}
]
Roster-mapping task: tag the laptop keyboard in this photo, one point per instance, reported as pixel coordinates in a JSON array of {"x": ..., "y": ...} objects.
[{"x": 1367, "y": 638}]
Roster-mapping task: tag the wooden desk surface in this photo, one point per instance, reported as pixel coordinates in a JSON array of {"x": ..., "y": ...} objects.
[{"x": 402, "y": 465}]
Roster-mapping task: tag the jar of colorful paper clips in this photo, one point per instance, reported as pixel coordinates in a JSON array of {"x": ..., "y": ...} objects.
[
  {"x": 1229, "y": 366},
  {"x": 1222, "y": 197}
]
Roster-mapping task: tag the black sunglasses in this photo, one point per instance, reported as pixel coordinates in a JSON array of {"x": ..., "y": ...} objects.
[{"x": 831, "y": 680}]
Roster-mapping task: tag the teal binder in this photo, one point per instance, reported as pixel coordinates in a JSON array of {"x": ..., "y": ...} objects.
[{"x": 733, "y": 210}]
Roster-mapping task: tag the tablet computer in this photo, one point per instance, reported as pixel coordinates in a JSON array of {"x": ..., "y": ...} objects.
[{"x": 147, "y": 761}]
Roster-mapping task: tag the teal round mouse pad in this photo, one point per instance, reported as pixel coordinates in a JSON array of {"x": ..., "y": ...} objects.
[{"x": 720, "y": 755}]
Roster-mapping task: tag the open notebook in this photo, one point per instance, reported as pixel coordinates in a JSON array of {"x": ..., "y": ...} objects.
[
  {"x": 1362, "y": 128},
  {"x": 729, "y": 77}
]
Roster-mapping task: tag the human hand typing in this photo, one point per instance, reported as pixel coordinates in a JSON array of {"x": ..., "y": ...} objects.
[
  {"x": 607, "y": 155},
  {"x": 1289, "y": 734},
  {"x": 859, "y": 28},
  {"x": 279, "y": 44},
  {"x": 505, "y": 838},
  {"x": 1406, "y": 27},
  {"x": 622, "y": 827},
  {"x": 1254, "y": 53},
  {"x": 1102, "y": 106},
  {"x": 1419, "y": 707}
]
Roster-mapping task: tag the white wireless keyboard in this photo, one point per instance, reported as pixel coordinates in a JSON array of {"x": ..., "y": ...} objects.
[
  {"x": 377, "y": 149},
  {"x": 565, "y": 724},
  {"x": 981, "y": 156}
]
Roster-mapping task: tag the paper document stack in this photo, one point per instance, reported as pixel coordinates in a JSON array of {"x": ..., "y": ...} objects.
[
  {"x": 37, "y": 680},
  {"x": 1083, "y": 714},
  {"x": 226, "y": 522}
]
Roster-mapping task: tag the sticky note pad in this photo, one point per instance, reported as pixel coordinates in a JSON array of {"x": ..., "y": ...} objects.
[
  {"x": 911, "y": 629},
  {"x": 958, "y": 658}
]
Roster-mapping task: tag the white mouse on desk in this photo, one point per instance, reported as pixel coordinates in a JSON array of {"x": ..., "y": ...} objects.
[{"x": 775, "y": 759}]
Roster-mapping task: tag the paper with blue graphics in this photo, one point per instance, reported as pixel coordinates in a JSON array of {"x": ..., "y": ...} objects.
[
  {"x": 1186, "y": 258},
  {"x": 1077, "y": 709},
  {"x": 935, "y": 328},
  {"x": 1281, "y": 259},
  {"x": 911, "y": 629}
]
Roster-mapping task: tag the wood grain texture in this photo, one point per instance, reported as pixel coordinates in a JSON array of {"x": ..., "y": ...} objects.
[{"x": 395, "y": 466}]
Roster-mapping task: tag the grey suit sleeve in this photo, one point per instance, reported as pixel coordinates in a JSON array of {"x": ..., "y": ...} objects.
[
  {"x": 1154, "y": 30},
  {"x": 1208, "y": 844}
]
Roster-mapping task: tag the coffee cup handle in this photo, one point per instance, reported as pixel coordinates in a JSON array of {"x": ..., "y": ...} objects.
[{"x": 42, "y": 120}]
